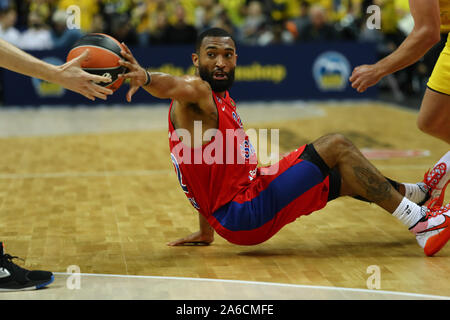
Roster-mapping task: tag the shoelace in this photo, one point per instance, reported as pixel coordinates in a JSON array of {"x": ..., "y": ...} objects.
[
  {"x": 432, "y": 176},
  {"x": 435, "y": 211},
  {"x": 437, "y": 202},
  {"x": 8, "y": 258},
  {"x": 435, "y": 206}
]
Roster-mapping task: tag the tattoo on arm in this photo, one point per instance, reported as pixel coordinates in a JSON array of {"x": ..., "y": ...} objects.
[{"x": 377, "y": 188}]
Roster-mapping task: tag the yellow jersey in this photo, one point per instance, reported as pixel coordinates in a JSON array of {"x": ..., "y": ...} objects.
[
  {"x": 444, "y": 6},
  {"x": 440, "y": 77}
]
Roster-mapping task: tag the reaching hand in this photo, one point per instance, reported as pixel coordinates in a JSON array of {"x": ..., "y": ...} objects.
[
  {"x": 364, "y": 77},
  {"x": 136, "y": 74},
  {"x": 72, "y": 77}
]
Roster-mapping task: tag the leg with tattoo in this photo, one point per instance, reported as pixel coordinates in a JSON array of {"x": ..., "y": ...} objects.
[{"x": 359, "y": 177}]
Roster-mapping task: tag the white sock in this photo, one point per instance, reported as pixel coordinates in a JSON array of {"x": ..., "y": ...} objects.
[
  {"x": 408, "y": 212},
  {"x": 416, "y": 192}
]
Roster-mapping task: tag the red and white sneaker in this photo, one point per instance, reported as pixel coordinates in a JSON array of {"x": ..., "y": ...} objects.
[
  {"x": 436, "y": 180},
  {"x": 433, "y": 231}
]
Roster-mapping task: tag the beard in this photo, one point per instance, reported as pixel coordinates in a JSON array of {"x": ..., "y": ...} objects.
[{"x": 217, "y": 85}]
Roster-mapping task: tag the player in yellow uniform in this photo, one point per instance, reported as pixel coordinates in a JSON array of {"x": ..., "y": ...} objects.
[
  {"x": 440, "y": 78},
  {"x": 430, "y": 18}
]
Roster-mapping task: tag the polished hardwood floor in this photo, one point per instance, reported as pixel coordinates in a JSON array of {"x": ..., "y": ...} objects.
[{"x": 108, "y": 202}]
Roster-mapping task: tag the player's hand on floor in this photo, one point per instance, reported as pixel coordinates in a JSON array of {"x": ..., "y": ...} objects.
[{"x": 197, "y": 238}]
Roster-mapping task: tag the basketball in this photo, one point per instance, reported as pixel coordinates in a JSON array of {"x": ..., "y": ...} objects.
[{"x": 103, "y": 58}]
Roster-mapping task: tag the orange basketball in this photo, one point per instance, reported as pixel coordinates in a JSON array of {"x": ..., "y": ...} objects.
[{"x": 103, "y": 58}]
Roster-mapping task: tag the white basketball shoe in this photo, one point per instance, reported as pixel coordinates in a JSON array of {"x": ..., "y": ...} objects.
[
  {"x": 433, "y": 230},
  {"x": 436, "y": 180}
]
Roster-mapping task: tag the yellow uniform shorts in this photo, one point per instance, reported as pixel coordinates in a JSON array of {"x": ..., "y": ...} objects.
[{"x": 440, "y": 78}]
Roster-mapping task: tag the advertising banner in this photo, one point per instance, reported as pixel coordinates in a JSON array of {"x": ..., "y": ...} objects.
[{"x": 317, "y": 71}]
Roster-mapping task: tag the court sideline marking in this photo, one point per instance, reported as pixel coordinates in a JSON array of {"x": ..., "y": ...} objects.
[{"x": 287, "y": 285}]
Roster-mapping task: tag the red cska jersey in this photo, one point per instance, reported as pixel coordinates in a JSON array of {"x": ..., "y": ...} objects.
[{"x": 213, "y": 174}]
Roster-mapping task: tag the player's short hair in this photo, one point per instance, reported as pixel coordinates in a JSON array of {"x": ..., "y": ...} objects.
[{"x": 213, "y": 32}]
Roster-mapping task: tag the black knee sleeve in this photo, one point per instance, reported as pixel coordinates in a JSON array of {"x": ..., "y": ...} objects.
[{"x": 310, "y": 154}]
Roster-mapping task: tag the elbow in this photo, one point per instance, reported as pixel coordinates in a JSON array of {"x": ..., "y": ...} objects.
[
  {"x": 435, "y": 37},
  {"x": 430, "y": 36}
]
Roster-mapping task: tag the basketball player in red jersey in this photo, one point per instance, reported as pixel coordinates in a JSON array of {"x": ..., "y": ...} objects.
[{"x": 247, "y": 204}]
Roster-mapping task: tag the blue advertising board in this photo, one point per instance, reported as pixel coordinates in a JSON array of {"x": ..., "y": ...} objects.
[{"x": 285, "y": 72}]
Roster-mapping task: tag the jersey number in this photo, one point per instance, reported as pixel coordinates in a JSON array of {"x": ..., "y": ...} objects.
[{"x": 180, "y": 180}]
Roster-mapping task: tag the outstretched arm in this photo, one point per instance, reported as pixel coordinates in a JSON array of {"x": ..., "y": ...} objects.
[
  {"x": 183, "y": 89},
  {"x": 69, "y": 75},
  {"x": 426, "y": 34},
  {"x": 162, "y": 85}
]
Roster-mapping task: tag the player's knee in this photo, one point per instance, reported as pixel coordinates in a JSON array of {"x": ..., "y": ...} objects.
[
  {"x": 430, "y": 126},
  {"x": 341, "y": 142},
  {"x": 422, "y": 124},
  {"x": 333, "y": 147}
]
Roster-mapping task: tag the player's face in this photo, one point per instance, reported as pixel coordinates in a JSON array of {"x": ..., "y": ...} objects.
[{"x": 216, "y": 62}]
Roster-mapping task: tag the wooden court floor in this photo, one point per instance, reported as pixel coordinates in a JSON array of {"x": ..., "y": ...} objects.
[{"x": 109, "y": 203}]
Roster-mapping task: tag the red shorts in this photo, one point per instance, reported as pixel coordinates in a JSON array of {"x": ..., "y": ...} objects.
[{"x": 294, "y": 187}]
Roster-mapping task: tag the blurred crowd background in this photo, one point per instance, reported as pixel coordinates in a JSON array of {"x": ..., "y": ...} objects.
[{"x": 42, "y": 24}]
